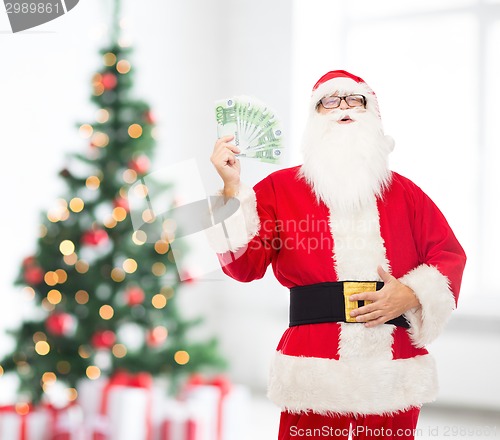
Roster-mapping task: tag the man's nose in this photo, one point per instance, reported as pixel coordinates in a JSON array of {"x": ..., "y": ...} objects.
[{"x": 343, "y": 105}]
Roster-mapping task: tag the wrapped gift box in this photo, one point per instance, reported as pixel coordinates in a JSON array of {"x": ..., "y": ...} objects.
[
  {"x": 221, "y": 408},
  {"x": 41, "y": 423},
  {"x": 118, "y": 408}
]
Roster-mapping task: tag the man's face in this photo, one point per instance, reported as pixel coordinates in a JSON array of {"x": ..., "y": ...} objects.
[{"x": 357, "y": 104}]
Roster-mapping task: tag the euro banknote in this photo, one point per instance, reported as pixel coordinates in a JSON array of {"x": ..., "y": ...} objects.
[{"x": 256, "y": 129}]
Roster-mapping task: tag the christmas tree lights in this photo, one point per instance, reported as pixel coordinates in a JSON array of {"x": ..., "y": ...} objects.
[{"x": 105, "y": 295}]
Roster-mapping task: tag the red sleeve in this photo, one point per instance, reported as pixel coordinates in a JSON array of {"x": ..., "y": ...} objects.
[{"x": 250, "y": 261}]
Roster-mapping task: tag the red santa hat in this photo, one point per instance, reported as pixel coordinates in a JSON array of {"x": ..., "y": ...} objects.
[{"x": 343, "y": 83}]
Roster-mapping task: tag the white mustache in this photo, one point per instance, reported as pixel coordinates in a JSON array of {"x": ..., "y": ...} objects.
[{"x": 341, "y": 114}]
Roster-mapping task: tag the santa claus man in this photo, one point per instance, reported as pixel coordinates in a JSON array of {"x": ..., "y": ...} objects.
[{"x": 373, "y": 269}]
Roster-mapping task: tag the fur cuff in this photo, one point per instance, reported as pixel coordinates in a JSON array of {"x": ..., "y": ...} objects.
[
  {"x": 436, "y": 299},
  {"x": 328, "y": 386},
  {"x": 236, "y": 221}
]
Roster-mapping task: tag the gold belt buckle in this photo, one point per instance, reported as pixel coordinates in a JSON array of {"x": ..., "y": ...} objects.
[{"x": 352, "y": 287}]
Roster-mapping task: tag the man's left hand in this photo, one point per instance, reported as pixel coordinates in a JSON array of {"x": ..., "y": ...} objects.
[{"x": 394, "y": 299}]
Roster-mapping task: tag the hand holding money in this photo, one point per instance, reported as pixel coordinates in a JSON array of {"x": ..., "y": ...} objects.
[
  {"x": 254, "y": 126},
  {"x": 227, "y": 164}
]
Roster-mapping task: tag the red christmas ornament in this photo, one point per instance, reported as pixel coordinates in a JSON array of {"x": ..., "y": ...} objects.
[
  {"x": 121, "y": 202},
  {"x": 149, "y": 117},
  {"x": 134, "y": 296},
  {"x": 33, "y": 275},
  {"x": 109, "y": 81},
  {"x": 60, "y": 324},
  {"x": 156, "y": 336},
  {"x": 140, "y": 164},
  {"x": 29, "y": 261},
  {"x": 104, "y": 339},
  {"x": 95, "y": 237}
]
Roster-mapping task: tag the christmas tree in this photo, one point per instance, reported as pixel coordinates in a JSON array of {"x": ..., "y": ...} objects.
[{"x": 104, "y": 292}]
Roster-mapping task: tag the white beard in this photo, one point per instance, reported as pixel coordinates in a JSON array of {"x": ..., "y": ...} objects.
[{"x": 346, "y": 164}]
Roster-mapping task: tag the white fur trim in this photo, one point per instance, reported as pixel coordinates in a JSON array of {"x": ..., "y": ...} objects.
[
  {"x": 240, "y": 227},
  {"x": 326, "y": 386},
  {"x": 344, "y": 85},
  {"x": 358, "y": 245},
  {"x": 356, "y": 342},
  {"x": 437, "y": 302}
]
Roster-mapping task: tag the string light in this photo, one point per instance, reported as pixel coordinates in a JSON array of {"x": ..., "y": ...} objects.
[
  {"x": 181, "y": 357},
  {"x": 139, "y": 237},
  {"x": 110, "y": 222},
  {"x": 22, "y": 408},
  {"x": 161, "y": 247},
  {"x": 123, "y": 67},
  {"x": 100, "y": 139},
  {"x": 119, "y": 351},
  {"x": 102, "y": 116},
  {"x": 39, "y": 336},
  {"x": 148, "y": 215},
  {"x": 106, "y": 312},
  {"x": 93, "y": 372},
  {"x": 86, "y": 131},
  {"x": 84, "y": 351},
  {"x": 92, "y": 182},
  {"x": 135, "y": 131},
  {"x": 67, "y": 247},
  {"x": 167, "y": 291},
  {"x": 109, "y": 59},
  {"x": 117, "y": 274},
  {"x": 43, "y": 231},
  {"x": 82, "y": 297},
  {"x": 59, "y": 212},
  {"x": 158, "y": 269},
  {"x": 119, "y": 214},
  {"x": 62, "y": 276},
  {"x": 51, "y": 278},
  {"x": 76, "y": 204},
  {"x": 82, "y": 266},
  {"x": 42, "y": 348},
  {"x": 159, "y": 301},
  {"x": 54, "y": 296},
  {"x": 1, "y": 371},
  {"x": 47, "y": 306},
  {"x": 29, "y": 292},
  {"x": 72, "y": 394},
  {"x": 141, "y": 191},
  {"x": 71, "y": 259},
  {"x": 49, "y": 378},
  {"x": 129, "y": 265},
  {"x": 129, "y": 176}
]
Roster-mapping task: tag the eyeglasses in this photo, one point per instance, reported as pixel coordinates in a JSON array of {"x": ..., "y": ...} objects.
[{"x": 330, "y": 102}]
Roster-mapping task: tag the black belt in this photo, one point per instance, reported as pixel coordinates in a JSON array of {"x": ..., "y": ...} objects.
[{"x": 328, "y": 302}]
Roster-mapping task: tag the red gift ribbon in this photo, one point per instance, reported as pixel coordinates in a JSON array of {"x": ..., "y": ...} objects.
[
  {"x": 191, "y": 430},
  {"x": 54, "y": 413},
  {"x": 125, "y": 379},
  {"x": 224, "y": 385},
  {"x": 24, "y": 422}
]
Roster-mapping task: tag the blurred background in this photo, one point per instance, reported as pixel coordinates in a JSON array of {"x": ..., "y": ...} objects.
[{"x": 434, "y": 66}]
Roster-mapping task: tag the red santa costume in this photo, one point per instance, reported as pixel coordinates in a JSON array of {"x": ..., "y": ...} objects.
[{"x": 337, "y": 218}]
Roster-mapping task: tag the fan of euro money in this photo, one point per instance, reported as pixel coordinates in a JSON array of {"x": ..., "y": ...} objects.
[{"x": 255, "y": 127}]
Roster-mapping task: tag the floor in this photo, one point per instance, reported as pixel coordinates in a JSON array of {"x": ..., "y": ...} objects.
[{"x": 435, "y": 423}]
